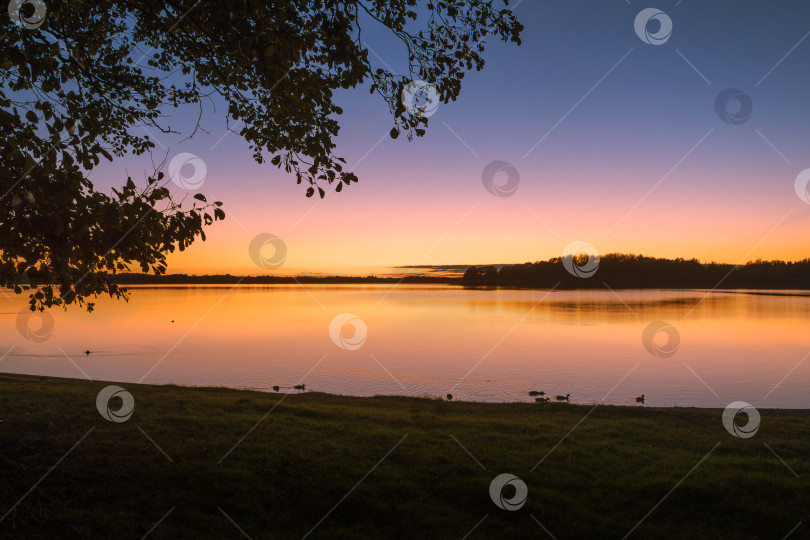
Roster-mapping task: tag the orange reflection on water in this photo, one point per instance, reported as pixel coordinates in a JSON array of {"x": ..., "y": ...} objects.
[{"x": 426, "y": 340}]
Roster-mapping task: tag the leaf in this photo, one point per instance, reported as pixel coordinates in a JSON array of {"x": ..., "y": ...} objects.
[{"x": 277, "y": 70}]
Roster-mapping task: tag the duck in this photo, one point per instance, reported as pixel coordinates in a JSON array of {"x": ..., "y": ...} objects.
[
  {"x": 536, "y": 393},
  {"x": 564, "y": 398},
  {"x": 541, "y": 399},
  {"x": 300, "y": 387},
  {"x": 449, "y": 397},
  {"x": 275, "y": 388},
  {"x": 87, "y": 352},
  {"x": 640, "y": 399}
]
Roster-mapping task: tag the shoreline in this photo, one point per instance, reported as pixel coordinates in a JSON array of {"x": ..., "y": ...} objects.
[
  {"x": 382, "y": 467},
  {"x": 6, "y": 377}
]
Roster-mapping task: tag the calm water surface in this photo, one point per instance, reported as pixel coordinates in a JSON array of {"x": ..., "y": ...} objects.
[{"x": 426, "y": 340}]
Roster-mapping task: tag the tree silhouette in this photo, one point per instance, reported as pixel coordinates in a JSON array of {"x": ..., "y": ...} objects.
[
  {"x": 480, "y": 276},
  {"x": 619, "y": 270},
  {"x": 77, "y": 78}
]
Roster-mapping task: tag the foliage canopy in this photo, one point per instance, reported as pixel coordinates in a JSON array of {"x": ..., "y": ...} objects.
[{"x": 77, "y": 78}]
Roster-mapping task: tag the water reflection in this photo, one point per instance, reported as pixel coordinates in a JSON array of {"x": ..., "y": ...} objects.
[{"x": 427, "y": 340}]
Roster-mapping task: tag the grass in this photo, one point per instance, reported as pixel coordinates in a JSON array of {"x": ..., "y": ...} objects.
[{"x": 385, "y": 467}]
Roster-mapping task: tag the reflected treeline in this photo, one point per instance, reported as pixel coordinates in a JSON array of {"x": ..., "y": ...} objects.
[{"x": 637, "y": 271}]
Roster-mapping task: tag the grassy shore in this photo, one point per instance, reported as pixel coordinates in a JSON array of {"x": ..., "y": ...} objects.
[{"x": 385, "y": 467}]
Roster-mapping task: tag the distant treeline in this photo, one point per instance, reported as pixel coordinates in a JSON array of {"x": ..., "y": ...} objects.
[
  {"x": 228, "y": 279},
  {"x": 636, "y": 271},
  {"x": 616, "y": 270}
]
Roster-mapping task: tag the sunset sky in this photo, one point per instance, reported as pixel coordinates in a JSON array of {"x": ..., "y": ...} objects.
[{"x": 632, "y": 156}]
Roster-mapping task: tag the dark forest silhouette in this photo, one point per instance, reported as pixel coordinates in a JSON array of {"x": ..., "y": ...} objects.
[
  {"x": 618, "y": 271},
  {"x": 637, "y": 271}
]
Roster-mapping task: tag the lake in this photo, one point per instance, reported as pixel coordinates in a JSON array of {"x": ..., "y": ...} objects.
[{"x": 700, "y": 348}]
